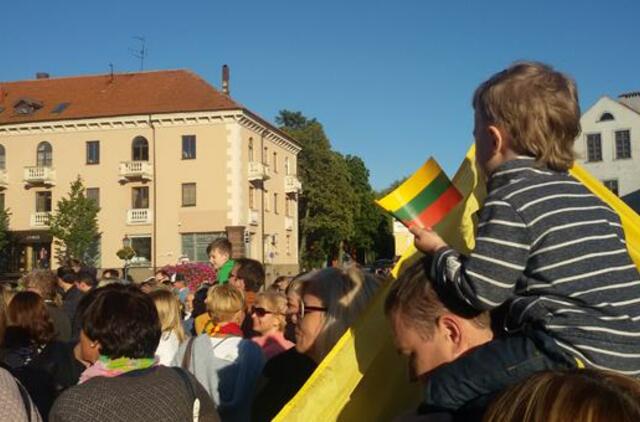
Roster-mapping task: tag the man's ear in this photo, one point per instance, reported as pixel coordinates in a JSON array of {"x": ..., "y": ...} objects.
[{"x": 450, "y": 327}]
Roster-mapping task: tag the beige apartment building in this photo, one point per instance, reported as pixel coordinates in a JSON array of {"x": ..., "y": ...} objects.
[{"x": 172, "y": 162}]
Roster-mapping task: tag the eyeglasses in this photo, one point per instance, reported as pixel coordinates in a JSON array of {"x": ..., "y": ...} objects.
[
  {"x": 305, "y": 309},
  {"x": 260, "y": 312}
]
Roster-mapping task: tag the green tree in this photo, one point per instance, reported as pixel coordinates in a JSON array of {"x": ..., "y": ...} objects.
[
  {"x": 327, "y": 202},
  {"x": 74, "y": 225},
  {"x": 4, "y": 229}
]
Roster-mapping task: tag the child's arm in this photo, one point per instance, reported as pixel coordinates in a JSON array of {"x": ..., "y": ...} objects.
[{"x": 487, "y": 277}]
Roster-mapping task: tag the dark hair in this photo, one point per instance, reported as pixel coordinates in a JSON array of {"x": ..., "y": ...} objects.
[
  {"x": 124, "y": 321},
  {"x": 252, "y": 272},
  {"x": 112, "y": 272},
  {"x": 222, "y": 244},
  {"x": 86, "y": 278},
  {"x": 27, "y": 310},
  {"x": 42, "y": 281},
  {"x": 66, "y": 274}
]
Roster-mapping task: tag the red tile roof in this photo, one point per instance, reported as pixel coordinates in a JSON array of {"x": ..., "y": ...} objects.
[{"x": 103, "y": 96}]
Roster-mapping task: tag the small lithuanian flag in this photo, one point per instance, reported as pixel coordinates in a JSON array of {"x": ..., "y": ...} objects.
[{"x": 424, "y": 198}]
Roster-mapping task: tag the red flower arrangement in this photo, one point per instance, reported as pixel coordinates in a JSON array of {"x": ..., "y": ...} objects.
[{"x": 195, "y": 273}]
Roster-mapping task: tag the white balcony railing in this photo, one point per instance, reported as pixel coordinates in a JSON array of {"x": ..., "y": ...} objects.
[
  {"x": 4, "y": 179},
  {"x": 288, "y": 223},
  {"x": 258, "y": 171},
  {"x": 253, "y": 217},
  {"x": 38, "y": 174},
  {"x": 139, "y": 216},
  {"x": 40, "y": 219},
  {"x": 292, "y": 185},
  {"x": 135, "y": 170}
]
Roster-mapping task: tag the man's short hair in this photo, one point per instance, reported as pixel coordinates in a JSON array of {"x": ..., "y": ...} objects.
[
  {"x": 66, "y": 274},
  {"x": 252, "y": 272},
  {"x": 222, "y": 244},
  {"x": 538, "y": 109},
  {"x": 110, "y": 273},
  {"x": 417, "y": 303},
  {"x": 124, "y": 321},
  {"x": 87, "y": 278},
  {"x": 42, "y": 281}
]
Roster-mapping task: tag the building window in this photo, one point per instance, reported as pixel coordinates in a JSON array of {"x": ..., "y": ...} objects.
[
  {"x": 252, "y": 197},
  {"x": 140, "y": 149},
  {"x": 275, "y": 203},
  {"x": 188, "y": 194},
  {"x": 265, "y": 156},
  {"x": 612, "y": 185},
  {"x": 93, "y": 194},
  {"x": 194, "y": 245},
  {"x": 623, "y": 144},
  {"x": 594, "y": 147},
  {"x": 43, "y": 201},
  {"x": 287, "y": 168},
  {"x": 188, "y": 147},
  {"x": 265, "y": 195},
  {"x": 3, "y": 158},
  {"x": 275, "y": 162},
  {"x": 140, "y": 197},
  {"x": 605, "y": 117},
  {"x": 142, "y": 246},
  {"x": 44, "y": 155},
  {"x": 93, "y": 152},
  {"x": 250, "y": 149},
  {"x": 287, "y": 206},
  {"x": 1, "y": 201}
]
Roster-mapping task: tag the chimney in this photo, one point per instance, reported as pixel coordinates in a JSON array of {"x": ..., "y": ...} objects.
[
  {"x": 225, "y": 79},
  {"x": 42, "y": 75}
]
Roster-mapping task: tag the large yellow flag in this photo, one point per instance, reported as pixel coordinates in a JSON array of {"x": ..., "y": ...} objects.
[{"x": 363, "y": 378}]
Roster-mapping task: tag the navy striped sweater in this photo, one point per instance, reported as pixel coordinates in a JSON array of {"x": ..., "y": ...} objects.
[{"x": 556, "y": 253}]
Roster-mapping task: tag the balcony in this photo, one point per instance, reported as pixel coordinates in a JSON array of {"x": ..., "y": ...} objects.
[
  {"x": 40, "y": 219},
  {"x": 4, "y": 179},
  {"x": 258, "y": 171},
  {"x": 254, "y": 217},
  {"x": 139, "y": 216},
  {"x": 135, "y": 170},
  {"x": 292, "y": 185},
  {"x": 288, "y": 223},
  {"x": 37, "y": 175}
]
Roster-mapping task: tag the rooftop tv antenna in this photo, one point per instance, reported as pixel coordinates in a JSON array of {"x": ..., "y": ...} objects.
[{"x": 141, "y": 53}]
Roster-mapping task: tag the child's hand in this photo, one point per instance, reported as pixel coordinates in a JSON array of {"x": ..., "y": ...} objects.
[{"x": 426, "y": 240}]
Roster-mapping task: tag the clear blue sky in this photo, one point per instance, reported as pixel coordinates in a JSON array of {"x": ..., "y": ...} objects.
[{"x": 390, "y": 81}]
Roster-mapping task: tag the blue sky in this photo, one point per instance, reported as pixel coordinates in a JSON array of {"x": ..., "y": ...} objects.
[{"x": 390, "y": 81}]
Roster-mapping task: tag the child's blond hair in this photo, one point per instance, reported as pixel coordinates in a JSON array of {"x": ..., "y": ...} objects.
[
  {"x": 224, "y": 302},
  {"x": 537, "y": 108}
]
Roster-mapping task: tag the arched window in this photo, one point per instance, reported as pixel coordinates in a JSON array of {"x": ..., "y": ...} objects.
[
  {"x": 3, "y": 158},
  {"x": 140, "y": 149},
  {"x": 606, "y": 117},
  {"x": 44, "y": 156}
]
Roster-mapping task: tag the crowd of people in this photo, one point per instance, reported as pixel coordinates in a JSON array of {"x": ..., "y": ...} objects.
[{"x": 540, "y": 322}]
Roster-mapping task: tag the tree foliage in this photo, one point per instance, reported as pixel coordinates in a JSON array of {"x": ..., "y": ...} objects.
[
  {"x": 74, "y": 226},
  {"x": 336, "y": 208},
  {"x": 4, "y": 229}
]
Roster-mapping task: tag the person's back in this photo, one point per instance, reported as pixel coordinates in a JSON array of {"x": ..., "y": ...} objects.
[{"x": 155, "y": 394}]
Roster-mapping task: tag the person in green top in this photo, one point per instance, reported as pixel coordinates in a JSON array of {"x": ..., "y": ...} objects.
[{"x": 219, "y": 252}]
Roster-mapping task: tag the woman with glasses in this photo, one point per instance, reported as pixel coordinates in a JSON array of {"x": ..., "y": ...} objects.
[
  {"x": 268, "y": 315},
  {"x": 332, "y": 300}
]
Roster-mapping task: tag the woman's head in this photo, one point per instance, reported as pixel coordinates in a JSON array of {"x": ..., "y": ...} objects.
[
  {"x": 574, "y": 395},
  {"x": 121, "y": 321},
  {"x": 225, "y": 303},
  {"x": 168, "y": 307},
  {"x": 269, "y": 312},
  {"x": 332, "y": 299},
  {"x": 28, "y": 311},
  {"x": 43, "y": 282}
]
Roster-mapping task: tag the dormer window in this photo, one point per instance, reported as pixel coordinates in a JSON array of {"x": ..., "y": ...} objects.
[
  {"x": 605, "y": 117},
  {"x": 25, "y": 106}
]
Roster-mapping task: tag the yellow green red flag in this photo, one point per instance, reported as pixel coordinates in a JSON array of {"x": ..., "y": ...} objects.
[{"x": 424, "y": 198}]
